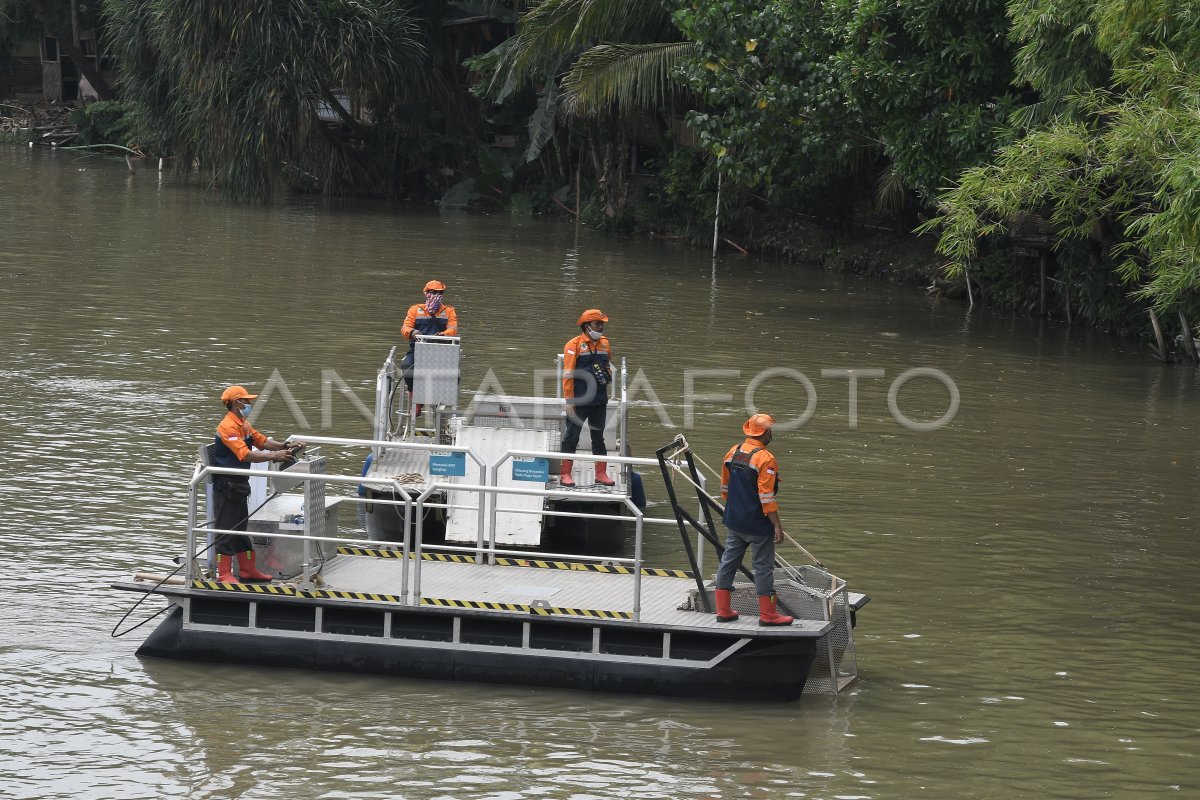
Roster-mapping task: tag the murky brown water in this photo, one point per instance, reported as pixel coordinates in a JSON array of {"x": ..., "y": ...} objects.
[{"x": 1032, "y": 562}]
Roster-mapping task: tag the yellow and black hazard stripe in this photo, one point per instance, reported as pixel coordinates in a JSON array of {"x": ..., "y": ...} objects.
[
  {"x": 580, "y": 612},
  {"x": 534, "y": 563},
  {"x": 452, "y": 558},
  {"x": 482, "y": 605},
  {"x": 332, "y": 594},
  {"x": 292, "y": 591},
  {"x": 576, "y": 566},
  {"x": 477, "y": 604},
  {"x": 252, "y": 588}
]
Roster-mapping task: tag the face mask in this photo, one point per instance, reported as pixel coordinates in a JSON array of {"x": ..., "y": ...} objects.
[
  {"x": 433, "y": 302},
  {"x": 594, "y": 334},
  {"x": 245, "y": 410}
]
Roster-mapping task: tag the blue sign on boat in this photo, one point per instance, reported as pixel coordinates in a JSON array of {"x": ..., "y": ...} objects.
[
  {"x": 448, "y": 464},
  {"x": 531, "y": 469}
]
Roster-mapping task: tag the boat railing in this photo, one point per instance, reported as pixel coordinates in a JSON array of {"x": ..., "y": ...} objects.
[
  {"x": 487, "y": 552},
  {"x": 483, "y": 552},
  {"x": 485, "y": 549},
  {"x": 386, "y": 383},
  {"x": 313, "y": 525}
]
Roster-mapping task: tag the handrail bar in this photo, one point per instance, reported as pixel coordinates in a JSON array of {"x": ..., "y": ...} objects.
[
  {"x": 301, "y": 476},
  {"x": 388, "y": 444},
  {"x": 578, "y": 514},
  {"x": 491, "y": 549},
  {"x": 202, "y": 471},
  {"x": 634, "y": 460},
  {"x": 449, "y": 548}
]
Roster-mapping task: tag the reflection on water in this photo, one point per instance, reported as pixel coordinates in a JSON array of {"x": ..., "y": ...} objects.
[{"x": 1030, "y": 563}]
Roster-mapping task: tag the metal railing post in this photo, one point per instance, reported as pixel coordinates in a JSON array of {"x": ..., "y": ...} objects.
[
  {"x": 420, "y": 536},
  {"x": 406, "y": 547},
  {"x": 189, "y": 570},
  {"x": 637, "y": 559},
  {"x": 494, "y": 474}
]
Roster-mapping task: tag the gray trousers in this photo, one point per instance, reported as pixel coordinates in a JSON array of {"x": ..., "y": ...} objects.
[{"x": 763, "y": 566}]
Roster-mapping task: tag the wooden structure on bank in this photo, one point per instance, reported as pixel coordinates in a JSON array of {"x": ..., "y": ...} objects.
[{"x": 1032, "y": 235}]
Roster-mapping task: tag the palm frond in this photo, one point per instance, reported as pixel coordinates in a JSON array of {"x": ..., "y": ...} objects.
[
  {"x": 626, "y": 77},
  {"x": 557, "y": 30}
]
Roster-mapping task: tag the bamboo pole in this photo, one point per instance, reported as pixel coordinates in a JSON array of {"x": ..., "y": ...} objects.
[
  {"x": 717, "y": 215},
  {"x": 1189, "y": 341},
  {"x": 1158, "y": 337}
]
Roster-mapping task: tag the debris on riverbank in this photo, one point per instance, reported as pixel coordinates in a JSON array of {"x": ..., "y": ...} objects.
[{"x": 41, "y": 122}]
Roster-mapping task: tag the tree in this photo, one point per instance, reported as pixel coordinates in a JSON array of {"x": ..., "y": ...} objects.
[
  {"x": 800, "y": 93},
  {"x": 243, "y": 88},
  {"x": 932, "y": 80},
  {"x": 597, "y": 65},
  {"x": 1112, "y": 155},
  {"x": 775, "y": 113}
]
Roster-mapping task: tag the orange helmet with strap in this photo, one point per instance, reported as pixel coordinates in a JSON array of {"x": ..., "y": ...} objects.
[
  {"x": 435, "y": 286},
  {"x": 592, "y": 315},
  {"x": 758, "y": 424},
  {"x": 236, "y": 393}
]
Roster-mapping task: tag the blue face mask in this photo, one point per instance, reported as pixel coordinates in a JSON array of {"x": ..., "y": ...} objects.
[{"x": 245, "y": 409}]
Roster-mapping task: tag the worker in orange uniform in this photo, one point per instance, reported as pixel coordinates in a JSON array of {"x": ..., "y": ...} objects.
[
  {"x": 587, "y": 372},
  {"x": 232, "y": 448},
  {"x": 431, "y": 318},
  {"x": 749, "y": 483}
]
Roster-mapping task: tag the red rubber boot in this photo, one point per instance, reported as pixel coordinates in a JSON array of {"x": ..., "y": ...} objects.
[
  {"x": 725, "y": 612},
  {"x": 247, "y": 569},
  {"x": 225, "y": 570},
  {"x": 602, "y": 474},
  {"x": 767, "y": 615},
  {"x": 564, "y": 476}
]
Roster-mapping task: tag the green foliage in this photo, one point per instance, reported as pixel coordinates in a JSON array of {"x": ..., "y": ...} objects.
[
  {"x": 798, "y": 93},
  {"x": 106, "y": 122},
  {"x": 609, "y": 59},
  {"x": 776, "y": 113},
  {"x": 240, "y": 88},
  {"x": 1119, "y": 167},
  {"x": 932, "y": 79}
]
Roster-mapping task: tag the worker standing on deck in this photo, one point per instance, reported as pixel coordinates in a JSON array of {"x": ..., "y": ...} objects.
[
  {"x": 431, "y": 318},
  {"x": 231, "y": 493},
  {"x": 587, "y": 372},
  {"x": 749, "y": 483}
]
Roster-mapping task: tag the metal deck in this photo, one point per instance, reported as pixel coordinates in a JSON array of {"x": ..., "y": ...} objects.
[{"x": 560, "y": 590}]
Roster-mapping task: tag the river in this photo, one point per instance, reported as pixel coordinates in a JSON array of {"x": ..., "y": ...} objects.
[{"x": 1031, "y": 554}]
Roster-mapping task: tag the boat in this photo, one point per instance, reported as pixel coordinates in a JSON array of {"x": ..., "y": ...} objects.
[
  {"x": 483, "y": 611},
  {"x": 490, "y": 426}
]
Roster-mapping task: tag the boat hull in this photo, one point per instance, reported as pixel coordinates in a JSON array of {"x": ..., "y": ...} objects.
[{"x": 771, "y": 668}]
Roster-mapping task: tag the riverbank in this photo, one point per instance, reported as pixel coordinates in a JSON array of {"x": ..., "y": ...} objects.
[
  {"x": 23, "y": 121},
  {"x": 871, "y": 250}
]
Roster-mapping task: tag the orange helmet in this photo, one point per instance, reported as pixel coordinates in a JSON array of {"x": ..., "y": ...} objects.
[
  {"x": 592, "y": 315},
  {"x": 758, "y": 424},
  {"x": 236, "y": 393},
  {"x": 435, "y": 286}
]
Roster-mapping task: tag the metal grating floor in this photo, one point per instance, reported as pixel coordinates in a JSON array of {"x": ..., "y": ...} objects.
[{"x": 561, "y": 588}]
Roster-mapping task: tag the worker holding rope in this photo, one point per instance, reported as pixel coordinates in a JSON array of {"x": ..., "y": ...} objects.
[{"x": 749, "y": 483}]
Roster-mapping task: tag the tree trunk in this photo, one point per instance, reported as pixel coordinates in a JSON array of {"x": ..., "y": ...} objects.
[{"x": 70, "y": 44}]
